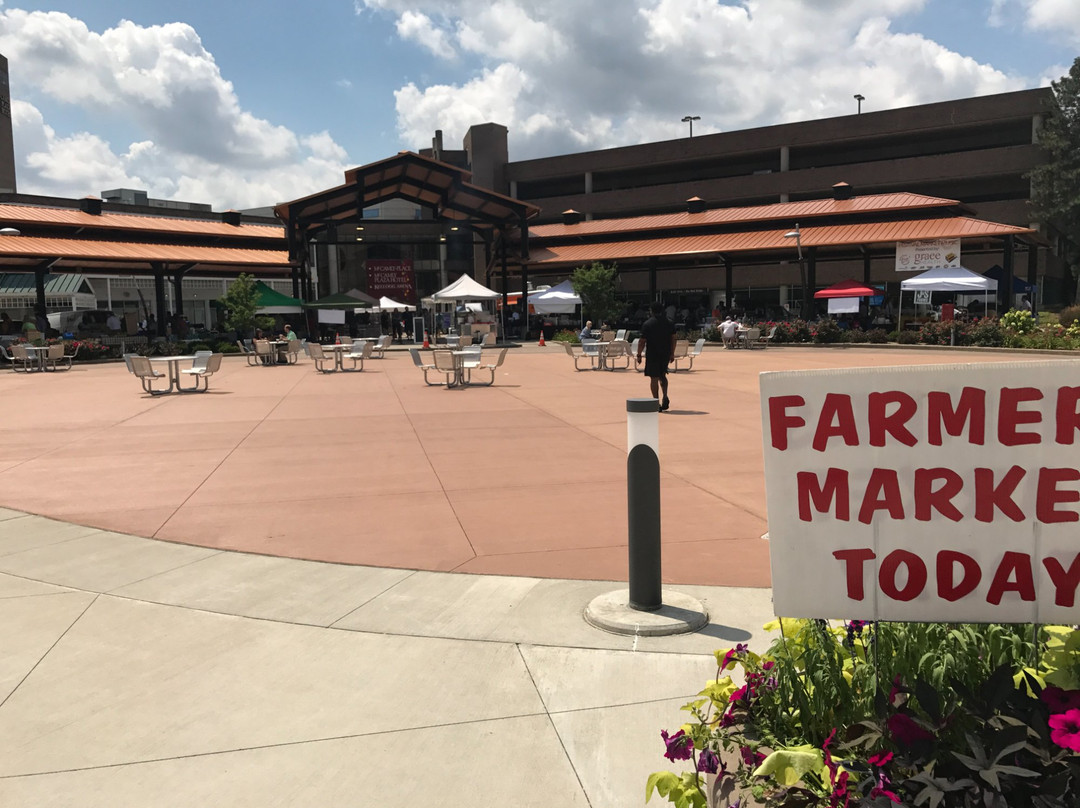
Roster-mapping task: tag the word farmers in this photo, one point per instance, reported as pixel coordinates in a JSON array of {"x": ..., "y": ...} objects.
[{"x": 897, "y": 418}]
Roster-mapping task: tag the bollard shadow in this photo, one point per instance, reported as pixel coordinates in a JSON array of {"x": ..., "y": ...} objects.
[
  {"x": 685, "y": 412},
  {"x": 727, "y": 633}
]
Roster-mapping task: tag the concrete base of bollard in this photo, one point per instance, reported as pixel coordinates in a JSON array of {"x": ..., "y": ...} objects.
[{"x": 679, "y": 614}]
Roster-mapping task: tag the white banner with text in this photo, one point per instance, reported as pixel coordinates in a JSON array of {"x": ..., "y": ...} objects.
[
  {"x": 936, "y": 493},
  {"x": 919, "y": 256}
]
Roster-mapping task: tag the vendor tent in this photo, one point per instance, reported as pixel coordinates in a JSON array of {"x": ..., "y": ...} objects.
[
  {"x": 271, "y": 301},
  {"x": 949, "y": 279},
  {"x": 352, "y": 299},
  {"x": 559, "y": 299},
  {"x": 386, "y": 304},
  {"x": 847, "y": 289},
  {"x": 465, "y": 288}
]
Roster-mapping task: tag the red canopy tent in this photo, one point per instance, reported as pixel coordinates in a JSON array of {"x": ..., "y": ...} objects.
[{"x": 847, "y": 289}]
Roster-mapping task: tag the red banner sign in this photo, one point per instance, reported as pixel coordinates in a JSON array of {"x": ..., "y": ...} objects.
[{"x": 393, "y": 278}]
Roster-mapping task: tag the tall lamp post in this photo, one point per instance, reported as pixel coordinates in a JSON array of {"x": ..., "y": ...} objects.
[
  {"x": 690, "y": 120},
  {"x": 797, "y": 235},
  {"x": 859, "y": 98}
]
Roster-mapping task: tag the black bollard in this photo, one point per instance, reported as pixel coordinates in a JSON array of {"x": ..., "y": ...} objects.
[{"x": 643, "y": 501}]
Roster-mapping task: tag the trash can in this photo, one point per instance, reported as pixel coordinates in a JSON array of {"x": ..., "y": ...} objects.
[{"x": 549, "y": 330}]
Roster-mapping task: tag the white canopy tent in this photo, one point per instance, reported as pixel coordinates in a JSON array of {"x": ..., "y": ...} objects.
[
  {"x": 948, "y": 279},
  {"x": 559, "y": 299},
  {"x": 464, "y": 289},
  {"x": 387, "y": 304}
]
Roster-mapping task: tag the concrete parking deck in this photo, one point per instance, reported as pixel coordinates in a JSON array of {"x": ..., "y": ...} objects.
[{"x": 175, "y": 673}]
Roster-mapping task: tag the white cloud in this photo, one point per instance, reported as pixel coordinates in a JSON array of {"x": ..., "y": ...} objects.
[
  {"x": 567, "y": 75},
  {"x": 194, "y": 135},
  {"x": 1057, "y": 16},
  {"x": 420, "y": 28}
]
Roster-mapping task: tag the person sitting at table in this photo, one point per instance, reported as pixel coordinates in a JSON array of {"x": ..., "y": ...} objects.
[
  {"x": 289, "y": 333},
  {"x": 729, "y": 330},
  {"x": 586, "y": 332}
]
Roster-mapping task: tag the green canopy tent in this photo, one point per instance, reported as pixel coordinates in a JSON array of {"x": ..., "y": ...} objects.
[
  {"x": 353, "y": 299},
  {"x": 271, "y": 301}
]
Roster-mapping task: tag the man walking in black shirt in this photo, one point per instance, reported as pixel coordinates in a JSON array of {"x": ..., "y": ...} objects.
[{"x": 658, "y": 342}]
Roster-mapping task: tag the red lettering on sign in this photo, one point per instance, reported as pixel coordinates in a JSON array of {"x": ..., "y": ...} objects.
[
  {"x": 1065, "y": 581},
  {"x": 948, "y": 587},
  {"x": 853, "y": 569},
  {"x": 971, "y": 409},
  {"x": 1013, "y": 575},
  {"x": 928, "y": 499},
  {"x": 1048, "y": 496},
  {"x": 833, "y": 490},
  {"x": 837, "y": 420},
  {"x": 780, "y": 422},
  {"x": 989, "y": 498},
  {"x": 1068, "y": 414},
  {"x": 1010, "y": 416},
  {"x": 916, "y": 575},
  {"x": 883, "y": 423},
  {"x": 882, "y": 493}
]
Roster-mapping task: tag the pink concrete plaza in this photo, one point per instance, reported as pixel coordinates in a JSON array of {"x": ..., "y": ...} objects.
[{"x": 524, "y": 478}]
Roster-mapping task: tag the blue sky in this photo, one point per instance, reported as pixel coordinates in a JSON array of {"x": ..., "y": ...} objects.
[{"x": 243, "y": 104}]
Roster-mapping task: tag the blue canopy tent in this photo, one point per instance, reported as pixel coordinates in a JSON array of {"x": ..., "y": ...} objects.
[{"x": 1020, "y": 287}]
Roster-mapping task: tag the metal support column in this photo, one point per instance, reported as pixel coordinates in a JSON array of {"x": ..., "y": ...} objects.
[
  {"x": 811, "y": 283},
  {"x": 1033, "y": 276},
  {"x": 728, "y": 283},
  {"x": 159, "y": 298},
  {"x": 652, "y": 279},
  {"x": 1007, "y": 297}
]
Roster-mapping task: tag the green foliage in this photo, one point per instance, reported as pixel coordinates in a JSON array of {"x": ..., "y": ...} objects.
[
  {"x": 595, "y": 285},
  {"x": 240, "y": 302},
  {"x": 985, "y": 333},
  {"x": 876, "y": 714},
  {"x": 566, "y": 336},
  {"x": 227, "y": 348},
  {"x": 1018, "y": 321},
  {"x": 683, "y": 791},
  {"x": 827, "y": 331},
  {"x": 1069, "y": 316},
  {"x": 1055, "y": 187}
]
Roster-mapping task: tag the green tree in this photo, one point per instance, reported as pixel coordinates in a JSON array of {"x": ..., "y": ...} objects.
[
  {"x": 595, "y": 285},
  {"x": 240, "y": 302},
  {"x": 1055, "y": 195}
]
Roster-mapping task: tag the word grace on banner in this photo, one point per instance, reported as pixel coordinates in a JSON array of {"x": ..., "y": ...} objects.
[
  {"x": 947, "y": 493},
  {"x": 393, "y": 278},
  {"x": 918, "y": 256}
]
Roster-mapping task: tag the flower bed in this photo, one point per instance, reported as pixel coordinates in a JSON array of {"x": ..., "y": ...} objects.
[
  {"x": 941, "y": 715},
  {"x": 1015, "y": 329}
]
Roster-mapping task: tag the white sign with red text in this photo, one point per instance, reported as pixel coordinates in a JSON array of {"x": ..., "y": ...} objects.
[
  {"x": 919, "y": 256},
  {"x": 940, "y": 493}
]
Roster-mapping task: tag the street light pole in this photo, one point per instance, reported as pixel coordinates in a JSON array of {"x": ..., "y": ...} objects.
[
  {"x": 859, "y": 98},
  {"x": 797, "y": 235},
  {"x": 690, "y": 120}
]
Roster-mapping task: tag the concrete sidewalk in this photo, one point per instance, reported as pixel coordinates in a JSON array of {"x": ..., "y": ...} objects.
[{"x": 137, "y": 672}]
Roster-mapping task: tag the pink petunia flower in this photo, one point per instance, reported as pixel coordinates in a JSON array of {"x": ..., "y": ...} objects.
[{"x": 1065, "y": 730}]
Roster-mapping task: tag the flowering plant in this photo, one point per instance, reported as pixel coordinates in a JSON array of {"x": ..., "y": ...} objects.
[{"x": 867, "y": 714}]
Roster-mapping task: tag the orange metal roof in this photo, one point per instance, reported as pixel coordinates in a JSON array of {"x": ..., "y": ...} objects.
[
  {"x": 14, "y": 215},
  {"x": 125, "y": 251},
  {"x": 795, "y": 211},
  {"x": 759, "y": 240}
]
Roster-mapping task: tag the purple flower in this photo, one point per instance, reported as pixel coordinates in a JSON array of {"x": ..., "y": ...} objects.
[
  {"x": 708, "y": 762},
  {"x": 750, "y": 757},
  {"x": 1060, "y": 701},
  {"x": 1065, "y": 730},
  {"x": 680, "y": 746},
  {"x": 905, "y": 731}
]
